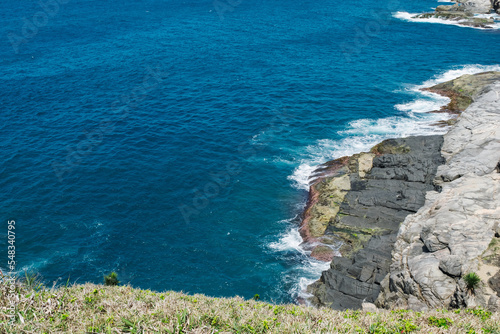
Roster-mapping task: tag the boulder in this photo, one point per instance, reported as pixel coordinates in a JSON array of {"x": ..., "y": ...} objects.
[
  {"x": 462, "y": 17},
  {"x": 494, "y": 283},
  {"x": 451, "y": 265},
  {"x": 443, "y": 8},
  {"x": 433, "y": 240},
  {"x": 464, "y": 12},
  {"x": 473, "y": 144},
  {"x": 479, "y": 22},
  {"x": 369, "y": 307},
  {"x": 476, "y": 6},
  {"x": 494, "y": 304}
]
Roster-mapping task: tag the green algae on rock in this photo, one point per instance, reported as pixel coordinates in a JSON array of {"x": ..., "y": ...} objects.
[{"x": 463, "y": 90}]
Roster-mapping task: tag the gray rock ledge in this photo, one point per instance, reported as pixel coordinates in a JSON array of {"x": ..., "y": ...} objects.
[{"x": 456, "y": 231}]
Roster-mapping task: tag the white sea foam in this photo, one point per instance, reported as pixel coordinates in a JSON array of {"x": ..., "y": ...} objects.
[
  {"x": 405, "y": 16},
  {"x": 312, "y": 271},
  {"x": 306, "y": 270},
  {"x": 455, "y": 73},
  {"x": 427, "y": 101},
  {"x": 301, "y": 174},
  {"x": 289, "y": 241}
]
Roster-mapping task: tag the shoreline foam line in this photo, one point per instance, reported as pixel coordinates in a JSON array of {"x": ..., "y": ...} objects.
[{"x": 409, "y": 17}]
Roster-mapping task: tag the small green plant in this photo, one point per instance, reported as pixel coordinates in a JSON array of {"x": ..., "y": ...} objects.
[
  {"x": 33, "y": 281},
  {"x": 406, "y": 326},
  {"x": 479, "y": 312},
  {"x": 352, "y": 314},
  {"x": 493, "y": 329},
  {"x": 182, "y": 325},
  {"x": 111, "y": 279},
  {"x": 378, "y": 328},
  {"x": 440, "y": 322},
  {"x": 189, "y": 299},
  {"x": 129, "y": 326},
  {"x": 256, "y": 296},
  {"x": 472, "y": 280}
]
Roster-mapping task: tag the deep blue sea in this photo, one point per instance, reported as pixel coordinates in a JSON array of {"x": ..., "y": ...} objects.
[{"x": 172, "y": 141}]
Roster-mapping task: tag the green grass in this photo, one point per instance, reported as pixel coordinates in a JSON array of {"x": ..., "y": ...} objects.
[{"x": 90, "y": 308}]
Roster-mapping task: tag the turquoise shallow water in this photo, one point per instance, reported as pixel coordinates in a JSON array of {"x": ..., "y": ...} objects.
[{"x": 172, "y": 144}]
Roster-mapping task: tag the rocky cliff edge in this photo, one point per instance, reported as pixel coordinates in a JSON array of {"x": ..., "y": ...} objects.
[
  {"x": 457, "y": 230},
  {"x": 404, "y": 222}
]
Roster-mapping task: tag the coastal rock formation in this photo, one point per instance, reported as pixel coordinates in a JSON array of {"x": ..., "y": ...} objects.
[
  {"x": 456, "y": 231},
  {"x": 463, "y": 13},
  {"x": 411, "y": 217},
  {"x": 360, "y": 202}
]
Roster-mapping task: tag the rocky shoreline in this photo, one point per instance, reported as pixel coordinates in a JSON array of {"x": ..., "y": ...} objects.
[
  {"x": 463, "y": 12},
  {"x": 412, "y": 215}
]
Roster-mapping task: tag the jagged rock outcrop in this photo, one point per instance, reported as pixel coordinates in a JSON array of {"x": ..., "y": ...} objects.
[
  {"x": 455, "y": 232},
  {"x": 496, "y": 6},
  {"x": 361, "y": 201}
]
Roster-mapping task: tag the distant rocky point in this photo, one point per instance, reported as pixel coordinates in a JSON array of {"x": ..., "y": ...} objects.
[
  {"x": 463, "y": 13},
  {"x": 413, "y": 215}
]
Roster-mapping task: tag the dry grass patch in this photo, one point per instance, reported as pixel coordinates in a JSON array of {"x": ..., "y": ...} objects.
[{"x": 91, "y": 308}]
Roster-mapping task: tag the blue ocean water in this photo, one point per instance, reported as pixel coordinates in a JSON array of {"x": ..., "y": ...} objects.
[{"x": 171, "y": 141}]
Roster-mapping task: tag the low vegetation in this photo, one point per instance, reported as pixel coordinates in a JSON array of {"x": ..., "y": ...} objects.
[
  {"x": 472, "y": 280},
  {"x": 90, "y": 308},
  {"x": 111, "y": 279}
]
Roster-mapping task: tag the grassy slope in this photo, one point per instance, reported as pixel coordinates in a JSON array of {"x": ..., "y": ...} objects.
[{"x": 91, "y": 308}]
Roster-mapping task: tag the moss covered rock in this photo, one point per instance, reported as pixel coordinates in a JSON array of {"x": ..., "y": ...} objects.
[{"x": 463, "y": 90}]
